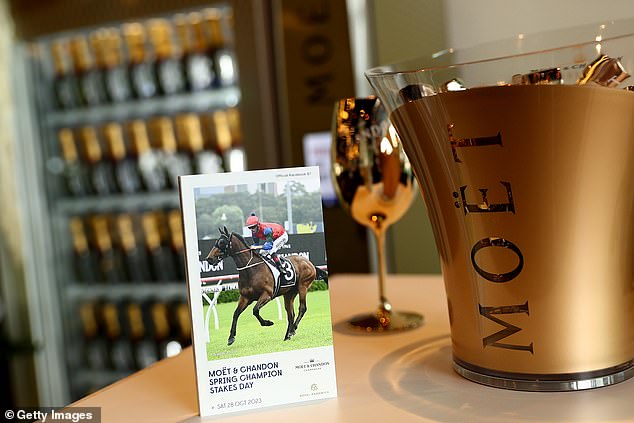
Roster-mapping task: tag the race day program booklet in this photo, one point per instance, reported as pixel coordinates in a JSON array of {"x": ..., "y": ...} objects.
[{"x": 258, "y": 288}]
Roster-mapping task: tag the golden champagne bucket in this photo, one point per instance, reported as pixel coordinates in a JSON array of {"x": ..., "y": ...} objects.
[{"x": 529, "y": 184}]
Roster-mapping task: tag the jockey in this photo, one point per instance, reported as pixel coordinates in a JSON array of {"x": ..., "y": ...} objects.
[{"x": 273, "y": 235}]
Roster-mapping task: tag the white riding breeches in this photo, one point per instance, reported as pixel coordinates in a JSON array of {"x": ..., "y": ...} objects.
[{"x": 277, "y": 244}]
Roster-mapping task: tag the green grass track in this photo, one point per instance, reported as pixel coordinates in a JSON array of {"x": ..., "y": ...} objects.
[{"x": 314, "y": 330}]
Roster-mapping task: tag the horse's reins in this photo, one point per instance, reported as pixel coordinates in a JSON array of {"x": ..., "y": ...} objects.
[{"x": 248, "y": 265}]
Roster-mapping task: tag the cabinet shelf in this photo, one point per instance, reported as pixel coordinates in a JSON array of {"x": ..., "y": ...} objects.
[
  {"x": 133, "y": 290},
  {"x": 202, "y": 101},
  {"x": 115, "y": 202}
]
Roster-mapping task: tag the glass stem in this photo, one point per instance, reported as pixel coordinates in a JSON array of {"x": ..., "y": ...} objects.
[{"x": 379, "y": 234}]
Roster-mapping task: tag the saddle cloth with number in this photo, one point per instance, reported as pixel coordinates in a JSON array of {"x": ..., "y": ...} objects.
[{"x": 283, "y": 280}]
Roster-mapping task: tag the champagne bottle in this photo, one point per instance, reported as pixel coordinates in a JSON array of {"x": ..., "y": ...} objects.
[
  {"x": 169, "y": 66},
  {"x": 134, "y": 256},
  {"x": 176, "y": 239},
  {"x": 100, "y": 171},
  {"x": 116, "y": 78},
  {"x": 237, "y": 157},
  {"x": 75, "y": 176},
  {"x": 191, "y": 144},
  {"x": 108, "y": 260},
  {"x": 209, "y": 132},
  {"x": 158, "y": 254},
  {"x": 199, "y": 66},
  {"x": 162, "y": 223},
  {"x": 162, "y": 329},
  {"x": 95, "y": 350},
  {"x": 119, "y": 347},
  {"x": 186, "y": 151},
  {"x": 125, "y": 169},
  {"x": 91, "y": 88},
  {"x": 181, "y": 322},
  {"x": 186, "y": 43},
  {"x": 97, "y": 47},
  {"x": 85, "y": 265},
  {"x": 229, "y": 143},
  {"x": 173, "y": 161},
  {"x": 223, "y": 58},
  {"x": 148, "y": 161},
  {"x": 141, "y": 70},
  {"x": 124, "y": 345},
  {"x": 141, "y": 334},
  {"x": 179, "y": 327},
  {"x": 223, "y": 135},
  {"x": 65, "y": 85},
  {"x": 210, "y": 142}
]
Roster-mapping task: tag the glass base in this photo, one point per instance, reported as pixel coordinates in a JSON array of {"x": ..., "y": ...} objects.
[
  {"x": 545, "y": 383},
  {"x": 384, "y": 321}
]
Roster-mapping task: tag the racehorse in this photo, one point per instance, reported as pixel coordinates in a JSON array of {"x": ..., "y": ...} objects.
[{"x": 256, "y": 282}]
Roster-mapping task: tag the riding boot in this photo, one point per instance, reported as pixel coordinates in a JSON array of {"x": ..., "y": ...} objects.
[{"x": 278, "y": 264}]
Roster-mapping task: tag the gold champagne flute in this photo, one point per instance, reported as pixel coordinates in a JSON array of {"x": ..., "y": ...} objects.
[{"x": 375, "y": 184}]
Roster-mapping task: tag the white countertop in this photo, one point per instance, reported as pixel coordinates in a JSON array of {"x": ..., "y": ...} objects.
[{"x": 398, "y": 377}]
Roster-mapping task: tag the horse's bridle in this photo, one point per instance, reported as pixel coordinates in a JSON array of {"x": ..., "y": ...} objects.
[{"x": 226, "y": 254}]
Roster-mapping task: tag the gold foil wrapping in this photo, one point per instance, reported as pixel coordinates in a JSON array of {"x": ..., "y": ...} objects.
[
  {"x": 151, "y": 230},
  {"x": 114, "y": 140},
  {"x": 604, "y": 71},
  {"x": 550, "y": 76},
  {"x": 163, "y": 135},
  {"x": 139, "y": 137},
  {"x": 80, "y": 242},
  {"x": 67, "y": 144},
  {"x": 125, "y": 231}
]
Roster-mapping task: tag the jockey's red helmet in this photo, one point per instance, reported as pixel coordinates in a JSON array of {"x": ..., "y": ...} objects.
[{"x": 252, "y": 222}]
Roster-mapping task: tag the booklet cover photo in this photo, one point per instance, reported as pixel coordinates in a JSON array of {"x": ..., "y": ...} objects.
[{"x": 258, "y": 288}]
